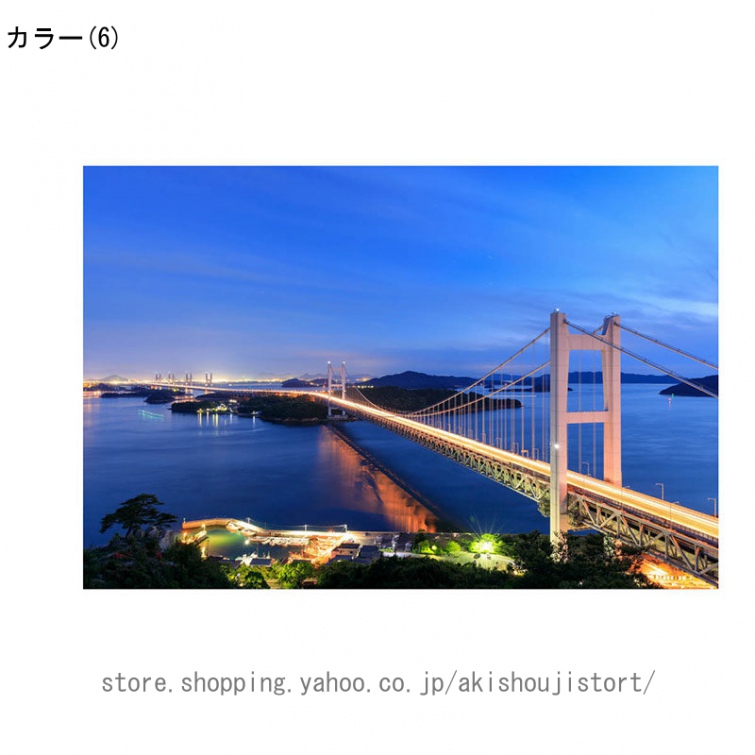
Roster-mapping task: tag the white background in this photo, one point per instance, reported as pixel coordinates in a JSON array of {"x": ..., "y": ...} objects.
[{"x": 248, "y": 83}]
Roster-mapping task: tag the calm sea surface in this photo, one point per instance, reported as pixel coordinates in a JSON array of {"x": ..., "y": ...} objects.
[{"x": 225, "y": 465}]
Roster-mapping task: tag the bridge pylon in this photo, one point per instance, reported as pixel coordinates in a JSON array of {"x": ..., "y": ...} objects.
[
  {"x": 341, "y": 382},
  {"x": 562, "y": 343}
]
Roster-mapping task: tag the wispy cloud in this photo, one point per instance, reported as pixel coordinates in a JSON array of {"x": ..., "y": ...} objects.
[{"x": 452, "y": 266}]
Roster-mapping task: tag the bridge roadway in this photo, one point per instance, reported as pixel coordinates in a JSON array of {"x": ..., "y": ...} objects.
[{"x": 685, "y": 538}]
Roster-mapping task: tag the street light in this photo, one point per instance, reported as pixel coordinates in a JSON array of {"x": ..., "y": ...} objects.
[
  {"x": 662, "y": 490},
  {"x": 587, "y": 464},
  {"x": 715, "y": 506}
]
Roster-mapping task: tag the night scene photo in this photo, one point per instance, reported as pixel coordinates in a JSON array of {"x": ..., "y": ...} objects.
[{"x": 400, "y": 377}]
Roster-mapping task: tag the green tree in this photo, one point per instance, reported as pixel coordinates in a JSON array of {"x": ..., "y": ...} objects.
[
  {"x": 291, "y": 576},
  {"x": 185, "y": 567},
  {"x": 410, "y": 574},
  {"x": 453, "y": 548},
  {"x": 582, "y": 562},
  {"x": 420, "y": 543},
  {"x": 247, "y": 577},
  {"x": 136, "y": 513}
]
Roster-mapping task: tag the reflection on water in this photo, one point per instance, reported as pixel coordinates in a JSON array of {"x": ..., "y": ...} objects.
[
  {"x": 231, "y": 545},
  {"x": 223, "y": 465},
  {"x": 373, "y": 490},
  {"x": 144, "y": 414}
]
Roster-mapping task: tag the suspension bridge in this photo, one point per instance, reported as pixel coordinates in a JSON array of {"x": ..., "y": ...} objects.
[{"x": 528, "y": 450}]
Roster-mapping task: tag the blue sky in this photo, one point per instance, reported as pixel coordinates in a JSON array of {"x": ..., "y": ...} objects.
[{"x": 263, "y": 272}]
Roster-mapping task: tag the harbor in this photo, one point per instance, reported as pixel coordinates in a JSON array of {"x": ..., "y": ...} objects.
[{"x": 254, "y": 545}]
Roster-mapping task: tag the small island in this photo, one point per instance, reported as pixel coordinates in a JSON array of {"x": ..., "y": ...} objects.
[
  {"x": 418, "y": 381},
  {"x": 150, "y": 395},
  {"x": 297, "y": 383},
  {"x": 710, "y": 383},
  {"x": 285, "y": 409},
  {"x": 271, "y": 408},
  {"x": 416, "y": 399}
]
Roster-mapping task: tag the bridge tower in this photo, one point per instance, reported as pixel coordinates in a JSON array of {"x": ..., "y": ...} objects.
[
  {"x": 562, "y": 343},
  {"x": 341, "y": 380}
]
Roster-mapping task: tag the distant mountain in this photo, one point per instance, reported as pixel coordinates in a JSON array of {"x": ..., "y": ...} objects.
[
  {"x": 542, "y": 383},
  {"x": 320, "y": 379},
  {"x": 539, "y": 384},
  {"x": 411, "y": 379},
  {"x": 682, "y": 389},
  {"x": 113, "y": 379},
  {"x": 626, "y": 377},
  {"x": 296, "y": 383}
]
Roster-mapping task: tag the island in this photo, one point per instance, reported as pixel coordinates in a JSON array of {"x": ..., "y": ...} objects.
[
  {"x": 150, "y": 395},
  {"x": 416, "y": 381},
  {"x": 413, "y": 400},
  {"x": 710, "y": 383},
  {"x": 269, "y": 407}
]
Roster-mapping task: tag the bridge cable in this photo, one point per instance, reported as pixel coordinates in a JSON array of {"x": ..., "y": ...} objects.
[
  {"x": 647, "y": 362},
  {"x": 579, "y": 409},
  {"x": 482, "y": 379},
  {"x": 671, "y": 348},
  {"x": 521, "y": 401},
  {"x": 458, "y": 396},
  {"x": 513, "y": 384},
  {"x": 594, "y": 408},
  {"x": 545, "y": 435}
]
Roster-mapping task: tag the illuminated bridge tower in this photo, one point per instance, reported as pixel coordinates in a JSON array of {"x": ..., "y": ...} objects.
[
  {"x": 342, "y": 380},
  {"x": 562, "y": 343}
]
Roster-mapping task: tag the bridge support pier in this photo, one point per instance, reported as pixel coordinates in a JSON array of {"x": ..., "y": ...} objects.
[{"x": 562, "y": 343}]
